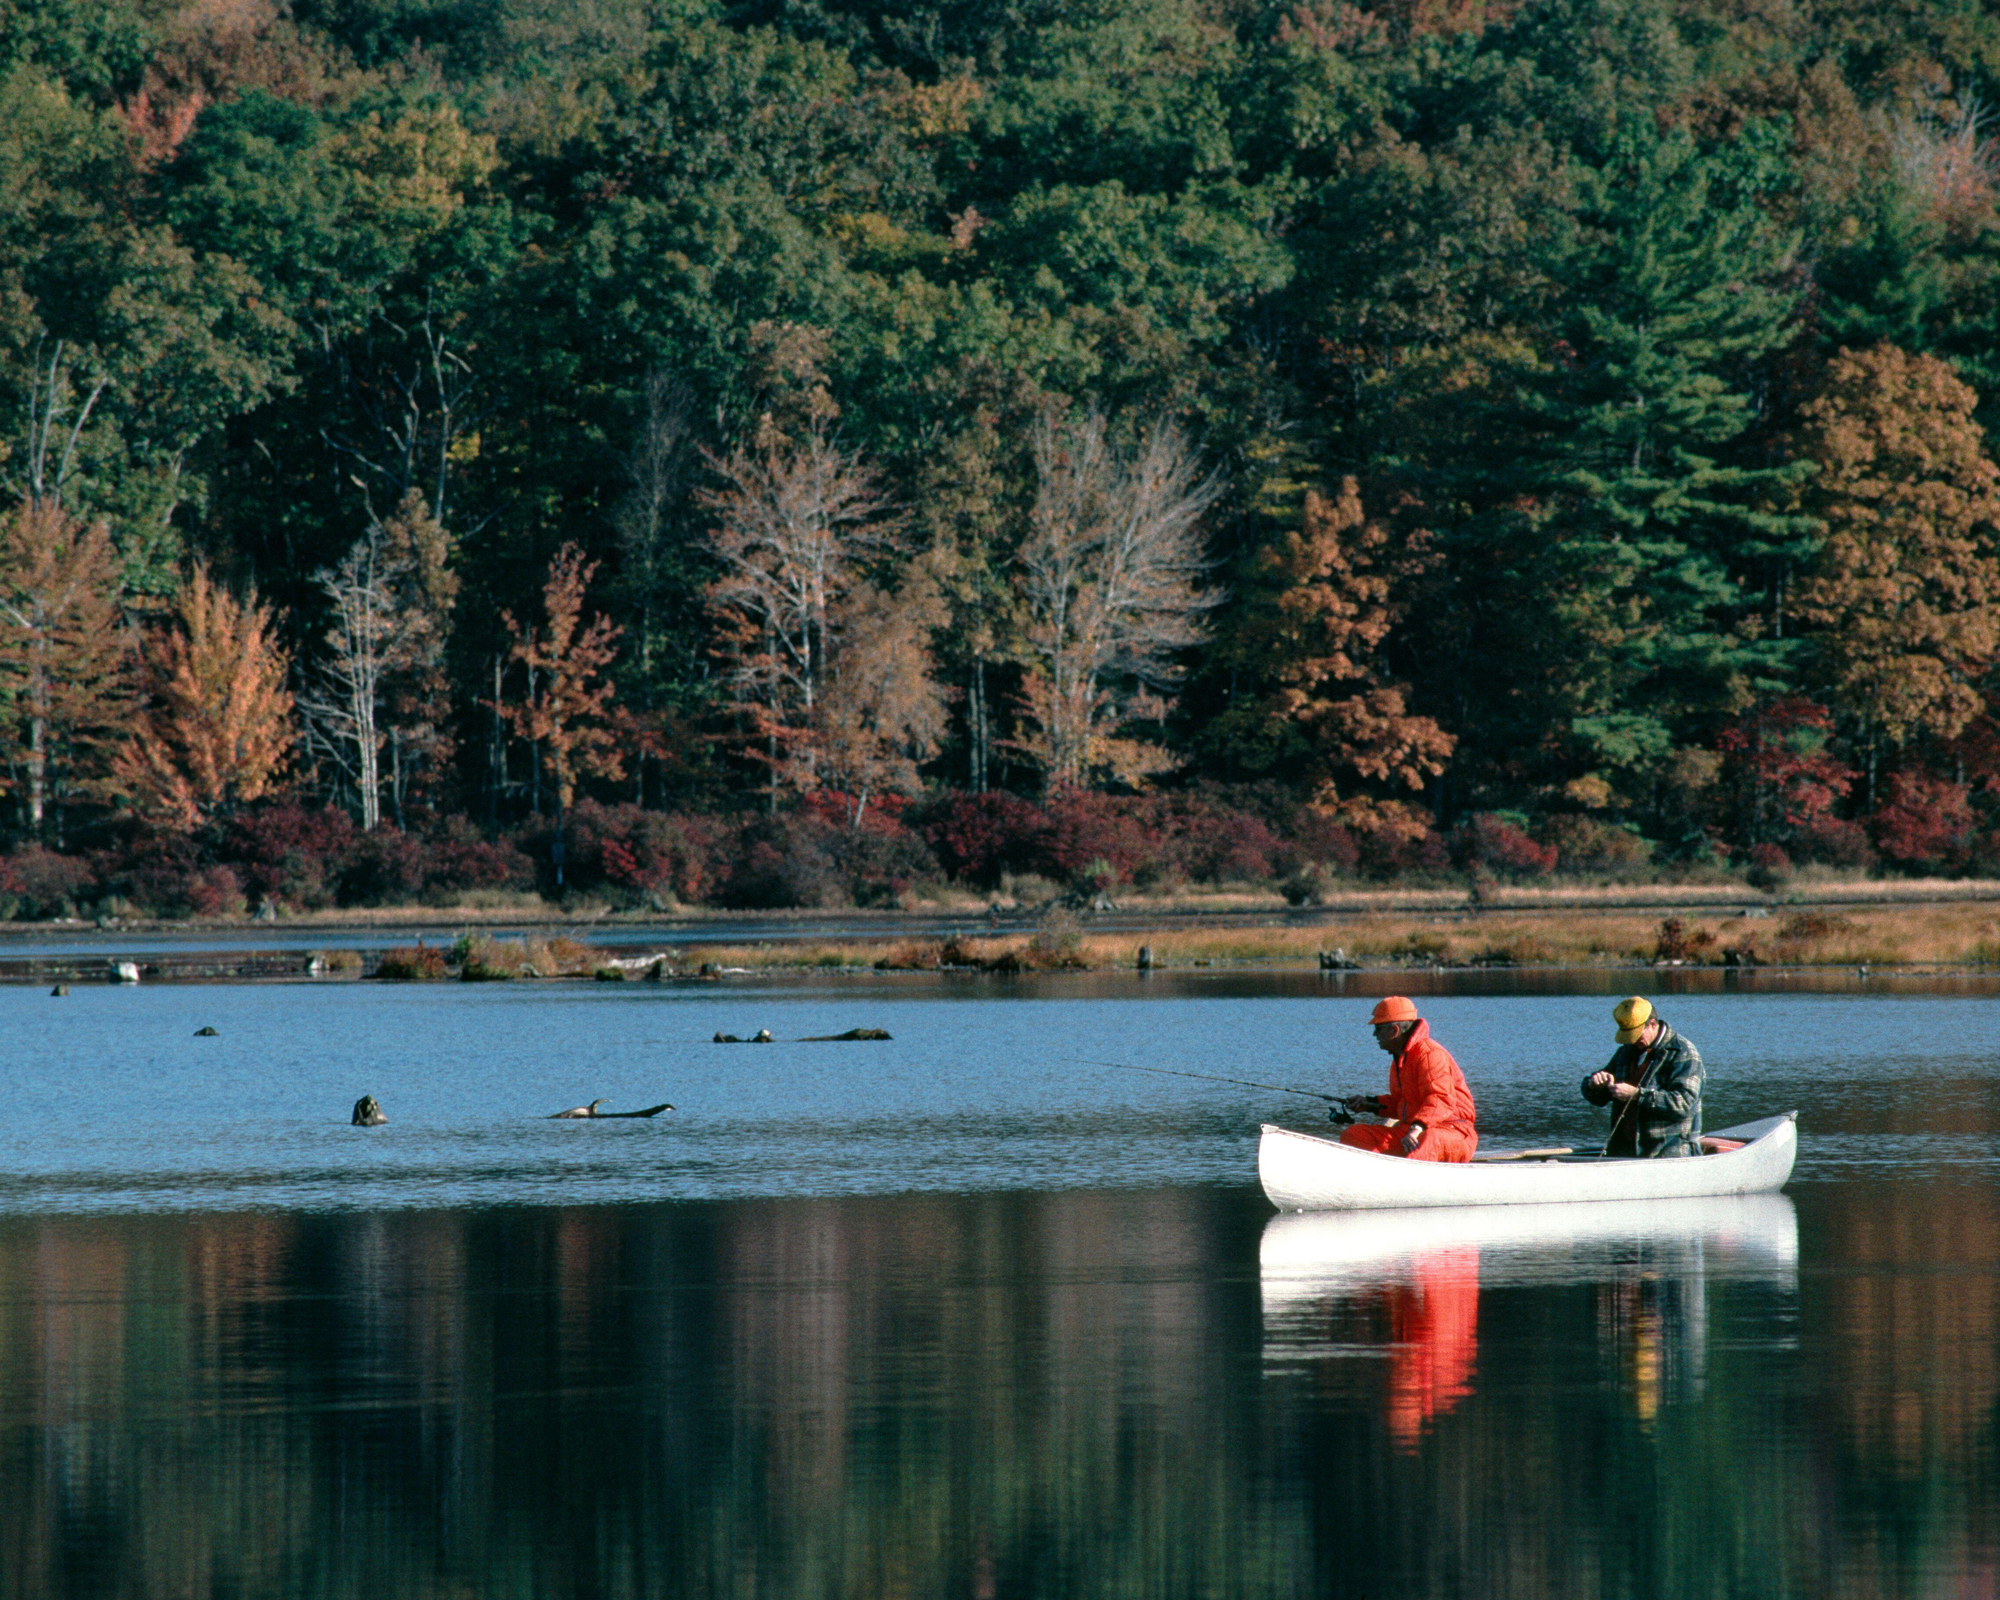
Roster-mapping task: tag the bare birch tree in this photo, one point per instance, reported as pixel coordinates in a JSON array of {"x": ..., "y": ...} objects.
[
  {"x": 1110, "y": 580},
  {"x": 59, "y": 409},
  {"x": 342, "y": 705},
  {"x": 792, "y": 517},
  {"x": 382, "y": 685}
]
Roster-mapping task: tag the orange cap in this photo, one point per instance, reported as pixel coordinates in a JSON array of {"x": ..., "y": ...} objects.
[{"x": 1394, "y": 1009}]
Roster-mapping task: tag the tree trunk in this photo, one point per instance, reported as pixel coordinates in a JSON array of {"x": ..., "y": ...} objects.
[
  {"x": 38, "y": 739},
  {"x": 979, "y": 729},
  {"x": 368, "y": 763},
  {"x": 38, "y": 773}
]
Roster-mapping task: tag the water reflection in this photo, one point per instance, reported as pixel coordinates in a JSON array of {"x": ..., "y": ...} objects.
[
  {"x": 1408, "y": 1282},
  {"x": 1146, "y": 1394}
]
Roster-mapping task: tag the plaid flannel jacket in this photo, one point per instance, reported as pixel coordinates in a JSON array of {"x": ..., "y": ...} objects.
[{"x": 1664, "y": 1118}]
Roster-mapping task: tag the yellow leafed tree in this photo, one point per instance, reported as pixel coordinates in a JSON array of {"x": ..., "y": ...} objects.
[
  {"x": 64, "y": 697},
  {"x": 217, "y": 729}
]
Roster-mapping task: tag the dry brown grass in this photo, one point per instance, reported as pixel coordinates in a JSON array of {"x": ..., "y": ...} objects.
[{"x": 1951, "y": 933}]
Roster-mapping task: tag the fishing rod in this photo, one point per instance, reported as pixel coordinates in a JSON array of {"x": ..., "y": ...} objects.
[
  {"x": 1338, "y": 1101},
  {"x": 1651, "y": 1059}
]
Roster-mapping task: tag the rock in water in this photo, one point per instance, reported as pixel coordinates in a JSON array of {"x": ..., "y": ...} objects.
[
  {"x": 761, "y": 1036},
  {"x": 205, "y": 1033},
  {"x": 61, "y": 988},
  {"x": 726, "y": 1038},
  {"x": 124, "y": 972},
  {"x": 1145, "y": 961},
  {"x": 368, "y": 1112}
]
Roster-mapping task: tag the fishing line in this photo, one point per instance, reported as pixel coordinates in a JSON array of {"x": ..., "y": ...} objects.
[{"x": 1211, "y": 1077}]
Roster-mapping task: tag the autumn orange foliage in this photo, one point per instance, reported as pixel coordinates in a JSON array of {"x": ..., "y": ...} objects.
[
  {"x": 1906, "y": 589},
  {"x": 218, "y": 726},
  {"x": 1336, "y": 588},
  {"x": 568, "y": 709},
  {"x": 62, "y": 656}
]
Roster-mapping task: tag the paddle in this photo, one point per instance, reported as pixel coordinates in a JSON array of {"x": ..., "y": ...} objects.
[{"x": 1529, "y": 1155}]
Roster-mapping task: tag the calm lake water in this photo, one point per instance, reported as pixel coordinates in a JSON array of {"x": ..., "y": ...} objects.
[{"x": 960, "y": 1314}]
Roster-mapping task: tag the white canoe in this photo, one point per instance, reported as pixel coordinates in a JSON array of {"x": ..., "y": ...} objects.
[
  {"x": 1744, "y": 1237},
  {"x": 1309, "y": 1172}
]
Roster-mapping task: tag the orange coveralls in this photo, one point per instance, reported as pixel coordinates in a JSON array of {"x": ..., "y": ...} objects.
[
  {"x": 1434, "y": 1321},
  {"x": 1425, "y": 1086}
]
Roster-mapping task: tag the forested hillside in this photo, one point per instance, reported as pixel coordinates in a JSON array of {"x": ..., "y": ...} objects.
[{"x": 774, "y": 452}]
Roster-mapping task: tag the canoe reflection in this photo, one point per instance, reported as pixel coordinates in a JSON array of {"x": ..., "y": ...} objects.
[{"x": 1405, "y": 1285}]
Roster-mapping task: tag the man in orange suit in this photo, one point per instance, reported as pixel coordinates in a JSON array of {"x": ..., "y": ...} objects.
[{"x": 1428, "y": 1105}]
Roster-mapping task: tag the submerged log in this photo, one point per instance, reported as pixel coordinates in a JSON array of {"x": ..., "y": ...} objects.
[
  {"x": 205, "y": 1033},
  {"x": 852, "y": 1033},
  {"x": 590, "y": 1113}
]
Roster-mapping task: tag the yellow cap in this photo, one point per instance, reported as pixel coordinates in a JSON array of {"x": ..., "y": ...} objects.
[{"x": 1632, "y": 1015}]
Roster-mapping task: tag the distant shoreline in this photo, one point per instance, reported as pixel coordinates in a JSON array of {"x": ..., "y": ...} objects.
[{"x": 1944, "y": 925}]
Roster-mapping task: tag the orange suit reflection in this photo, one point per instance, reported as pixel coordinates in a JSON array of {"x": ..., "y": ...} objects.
[{"x": 1434, "y": 1320}]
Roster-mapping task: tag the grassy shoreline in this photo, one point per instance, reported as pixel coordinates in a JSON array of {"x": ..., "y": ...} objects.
[
  {"x": 1965, "y": 934},
  {"x": 1888, "y": 926}
]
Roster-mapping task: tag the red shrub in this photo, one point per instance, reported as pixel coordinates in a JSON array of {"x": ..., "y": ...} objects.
[
  {"x": 783, "y": 862},
  {"x": 1225, "y": 845},
  {"x": 882, "y": 814},
  {"x": 290, "y": 852},
  {"x": 1835, "y": 841},
  {"x": 1085, "y": 829},
  {"x": 156, "y": 872},
  {"x": 384, "y": 867},
  {"x": 1501, "y": 848},
  {"x": 881, "y": 865},
  {"x": 639, "y": 852},
  {"x": 1926, "y": 823},
  {"x": 976, "y": 837},
  {"x": 1318, "y": 836},
  {"x": 215, "y": 892},
  {"x": 1392, "y": 838},
  {"x": 1769, "y": 866},
  {"x": 43, "y": 881},
  {"x": 456, "y": 857}
]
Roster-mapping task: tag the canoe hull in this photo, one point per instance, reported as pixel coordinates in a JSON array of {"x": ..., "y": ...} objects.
[{"x": 1307, "y": 1172}]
